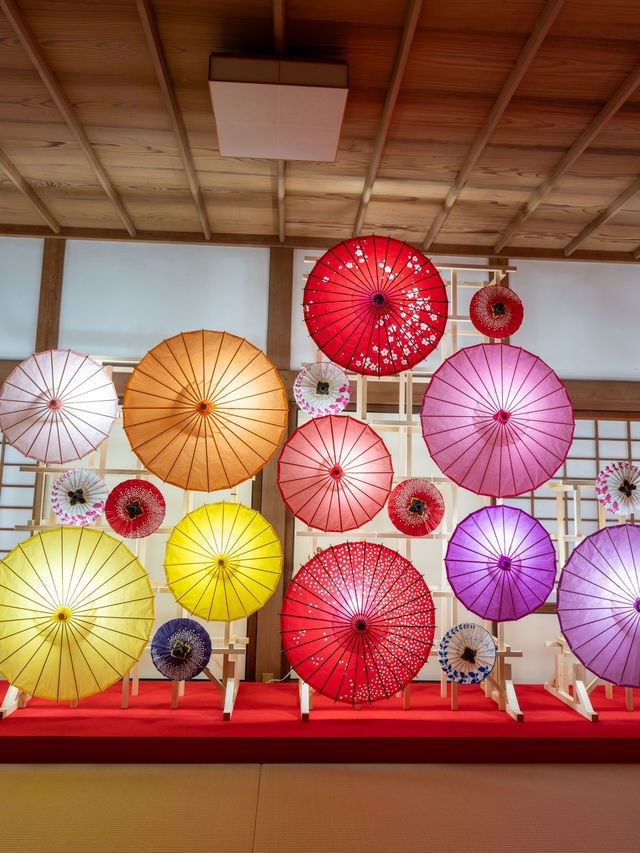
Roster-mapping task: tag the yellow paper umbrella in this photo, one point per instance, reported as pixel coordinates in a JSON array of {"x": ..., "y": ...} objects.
[
  {"x": 223, "y": 561},
  {"x": 205, "y": 410},
  {"x": 76, "y": 612}
]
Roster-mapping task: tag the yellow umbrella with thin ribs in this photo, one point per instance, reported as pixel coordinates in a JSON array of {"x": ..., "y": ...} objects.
[
  {"x": 76, "y": 612},
  {"x": 223, "y": 561}
]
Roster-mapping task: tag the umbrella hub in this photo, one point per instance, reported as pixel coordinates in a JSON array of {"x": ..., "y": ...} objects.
[
  {"x": 223, "y": 563},
  {"x": 180, "y": 650},
  {"x": 54, "y": 404},
  {"x": 336, "y": 472},
  {"x": 504, "y": 563},
  {"x": 417, "y": 507},
  {"x": 359, "y": 622},
  {"x": 469, "y": 654},
  {"x": 204, "y": 408},
  {"x": 62, "y": 614},
  {"x": 322, "y": 389},
  {"x": 627, "y": 488},
  {"x": 498, "y": 309},
  {"x": 76, "y": 496},
  {"x": 134, "y": 509},
  {"x": 378, "y": 299},
  {"x": 502, "y": 417},
  {"x": 636, "y": 604}
]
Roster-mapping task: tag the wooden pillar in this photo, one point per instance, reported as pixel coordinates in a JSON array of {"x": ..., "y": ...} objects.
[
  {"x": 50, "y": 295},
  {"x": 268, "y": 653}
]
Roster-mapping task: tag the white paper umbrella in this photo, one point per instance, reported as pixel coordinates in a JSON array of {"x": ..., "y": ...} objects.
[
  {"x": 467, "y": 653},
  {"x": 322, "y": 388},
  {"x": 78, "y": 497},
  {"x": 618, "y": 488}
]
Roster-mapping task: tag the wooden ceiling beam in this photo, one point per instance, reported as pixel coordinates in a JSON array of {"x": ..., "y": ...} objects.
[
  {"x": 20, "y": 182},
  {"x": 281, "y": 177},
  {"x": 282, "y": 232},
  {"x": 599, "y": 221},
  {"x": 414, "y": 8},
  {"x": 585, "y": 139},
  {"x": 39, "y": 62},
  {"x": 156, "y": 50},
  {"x": 529, "y": 51}
]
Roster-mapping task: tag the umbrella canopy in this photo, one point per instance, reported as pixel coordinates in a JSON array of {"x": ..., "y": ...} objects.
[
  {"x": 375, "y": 305},
  {"x": 321, "y": 389},
  {"x": 501, "y": 563},
  {"x": 78, "y": 497},
  {"x": 205, "y": 410},
  {"x": 496, "y": 311},
  {"x": 135, "y": 508},
  {"x": 618, "y": 488},
  {"x": 416, "y": 507},
  {"x": 357, "y": 622},
  {"x": 76, "y": 612},
  {"x": 599, "y": 604},
  {"x": 335, "y": 473},
  {"x": 57, "y": 406},
  {"x": 223, "y": 562},
  {"x": 467, "y": 653},
  {"x": 497, "y": 420},
  {"x": 181, "y": 649}
]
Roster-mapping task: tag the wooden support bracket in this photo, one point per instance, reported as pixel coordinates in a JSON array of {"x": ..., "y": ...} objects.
[{"x": 559, "y": 686}]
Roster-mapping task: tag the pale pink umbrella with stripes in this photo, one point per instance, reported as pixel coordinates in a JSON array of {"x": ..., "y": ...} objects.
[
  {"x": 335, "y": 473},
  {"x": 57, "y": 406},
  {"x": 497, "y": 420}
]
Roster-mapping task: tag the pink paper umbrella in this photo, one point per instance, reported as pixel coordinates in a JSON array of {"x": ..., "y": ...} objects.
[
  {"x": 497, "y": 420},
  {"x": 501, "y": 563},
  {"x": 599, "y": 604},
  {"x": 335, "y": 473},
  {"x": 57, "y": 406}
]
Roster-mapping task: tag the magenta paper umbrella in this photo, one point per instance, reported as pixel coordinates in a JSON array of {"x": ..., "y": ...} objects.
[
  {"x": 57, "y": 406},
  {"x": 599, "y": 604},
  {"x": 335, "y": 473},
  {"x": 358, "y": 622},
  {"x": 497, "y": 420},
  {"x": 501, "y": 563}
]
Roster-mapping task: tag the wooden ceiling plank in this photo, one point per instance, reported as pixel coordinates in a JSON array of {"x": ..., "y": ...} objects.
[
  {"x": 620, "y": 96},
  {"x": 19, "y": 181},
  {"x": 604, "y": 217},
  {"x": 156, "y": 50},
  {"x": 529, "y": 51},
  {"x": 39, "y": 61},
  {"x": 414, "y": 8}
]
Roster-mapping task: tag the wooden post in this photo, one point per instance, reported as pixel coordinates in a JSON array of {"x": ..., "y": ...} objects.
[{"x": 50, "y": 295}]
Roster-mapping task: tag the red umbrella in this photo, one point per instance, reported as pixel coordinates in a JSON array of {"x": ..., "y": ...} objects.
[
  {"x": 415, "y": 507},
  {"x": 375, "y": 305},
  {"x": 135, "y": 508},
  {"x": 496, "y": 311},
  {"x": 335, "y": 473},
  {"x": 358, "y": 622}
]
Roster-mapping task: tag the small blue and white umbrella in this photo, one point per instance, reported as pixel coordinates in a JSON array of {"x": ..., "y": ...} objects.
[
  {"x": 467, "y": 653},
  {"x": 181, "y": 649}
]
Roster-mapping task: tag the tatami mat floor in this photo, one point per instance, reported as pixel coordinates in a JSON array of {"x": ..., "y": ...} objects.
[{"x": 319, "y": 808}]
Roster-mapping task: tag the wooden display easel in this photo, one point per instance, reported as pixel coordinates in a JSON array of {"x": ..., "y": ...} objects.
[
  {"x": 559, "y": 686},
  {"x": 306, "y": 694},
  {"x": 499, "y": 686}
]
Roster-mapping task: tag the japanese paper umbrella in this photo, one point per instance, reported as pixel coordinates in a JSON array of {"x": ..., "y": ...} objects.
[
  {"x": 467, "y": 653},
  {"x": 335, "y": 473},
  {"x": 135, "y": 508},
  {"x": 205, "y": 410},
  {"x": 496, "y": 311},
  {"x": 618, "y": 488},
  {"x": 181, "y": 649},
  {"x": 322, "y": 388},
  {"x": 357, "y": 622},
  {"x": 501, "y": 563},
  {"x": 599, "y": 604},
  {"x": 497, "y": 420},
  {"x": 57, "y": 406},
  {"x": 223, "y": 561},
  {"x": 78, "y": 497},
  {"x": 415, "y": 507},
  {"x": 375, "y": 305},
  {"x": 76, "y": 612}
]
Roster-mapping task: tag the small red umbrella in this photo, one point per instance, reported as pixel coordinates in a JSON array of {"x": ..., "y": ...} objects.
[
  {"x": 496, "y": 311},
  {"x": 358, "y": 622},
  {"x": 135, "y": 508},
  {"x": 375, "y": 305},
  {"x": 415, "y": 507},
  {"x": 335, "y": 473}
]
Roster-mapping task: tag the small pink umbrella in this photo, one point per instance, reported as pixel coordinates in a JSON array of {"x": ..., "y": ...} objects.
[
  {"x": 335, "y": 473},
  {"x": 57, "y": 406},
  {"x": 497, "y": 420}
]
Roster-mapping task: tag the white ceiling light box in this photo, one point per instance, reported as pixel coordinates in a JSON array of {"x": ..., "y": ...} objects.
[{"x": 281, "y": 109}]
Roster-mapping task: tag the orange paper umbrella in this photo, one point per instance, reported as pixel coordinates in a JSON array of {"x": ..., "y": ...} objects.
[{"x": 205, "y": 410}]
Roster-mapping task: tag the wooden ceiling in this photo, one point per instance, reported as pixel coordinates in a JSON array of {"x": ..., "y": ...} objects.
[{"x": 501, "y": 127}]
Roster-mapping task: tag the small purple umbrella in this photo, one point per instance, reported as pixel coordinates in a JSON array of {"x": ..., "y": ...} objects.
[
  {"x": 501, "y": 563},
  {"x": 599, "y": 604}
]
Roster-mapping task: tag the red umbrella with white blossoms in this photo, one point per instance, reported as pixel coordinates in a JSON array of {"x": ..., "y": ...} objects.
[
  {"x": 416, "y": 507},
  {"x": 496, "y": 311},
  {"x": 375, "y": 305},
  {"x": 135, "y": 508}
]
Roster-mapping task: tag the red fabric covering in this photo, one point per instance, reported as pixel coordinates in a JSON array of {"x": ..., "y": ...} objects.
[{"x": 266, "y": 728}]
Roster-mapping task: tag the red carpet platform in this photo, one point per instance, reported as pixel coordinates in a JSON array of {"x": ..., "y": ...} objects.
[{"x": 266, "y": 728}]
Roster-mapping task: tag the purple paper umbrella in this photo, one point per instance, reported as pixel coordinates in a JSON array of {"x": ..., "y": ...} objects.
[
  {"x": 599, "y": 604},
  {"x": 501, "y": 563},
  {"x": 497, "y": 420}
]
